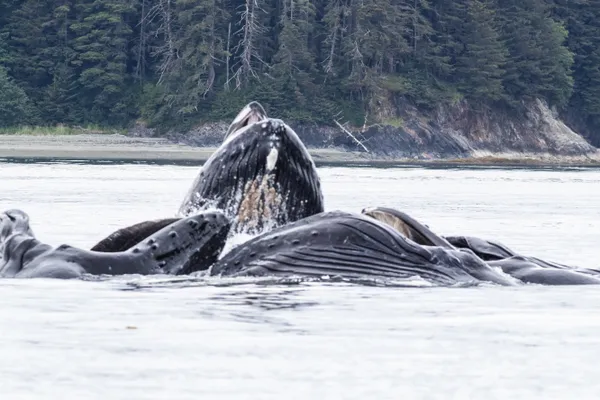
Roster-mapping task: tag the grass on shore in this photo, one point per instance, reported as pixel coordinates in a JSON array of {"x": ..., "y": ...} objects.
[{"x": 58, "y": 130}]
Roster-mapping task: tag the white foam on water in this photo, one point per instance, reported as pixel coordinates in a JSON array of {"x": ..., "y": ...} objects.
[{"x": 235, "y": 241}]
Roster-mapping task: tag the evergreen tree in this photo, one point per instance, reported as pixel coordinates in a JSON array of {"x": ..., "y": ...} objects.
[
  {"x": 4, "y": 56},
  {"x": 293, "y": 63},
  {"x": 199, "y": 40},
  {"x": 580, "y": 17},
  {"x": 5, "y": 11},
  {"x": 249, "y": 57},
  {"x": 101, "y": 47},
  {"x": 430, "y": 38},
  {"x": 15, "y": 108},
  {"x": 177, "y": 61},
  {"x": 58, "y": 102},
  {"x": 37, "y": 33},
  {"x": 539, "y": 63},
  {"x": 481, "y": 56},
  {"x": 29, "y": 46},
  {"x": 587, "y": 59},
  {"x": 428, "y": 67},
  {"x": 376, "y": 42}
]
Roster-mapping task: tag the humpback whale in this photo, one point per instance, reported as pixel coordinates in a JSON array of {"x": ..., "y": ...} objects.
[
  {"x": 352, "y": 245},
  {"x": 526, "y": 268},
  {"x": 127, "y": 237},
  {"x": 407, "y": 226},
  {"x": 263, "y": 181},
  {"x": 261, "y": 176},
  {"x": 497, "y": 255},
  {"x": 251, "y": 113},
  {"x": 185, "y": 246},
  {"x": 487, "y": 250}
]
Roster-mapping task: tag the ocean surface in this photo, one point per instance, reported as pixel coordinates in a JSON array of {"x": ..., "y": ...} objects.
[{"x": 112, "y": 340}]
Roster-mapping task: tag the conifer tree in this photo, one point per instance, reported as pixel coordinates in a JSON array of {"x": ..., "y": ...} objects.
[
  {"x": 481, "y": 55},
  {"x": 580, "y": 18},
  {"x": 15, "y": 108},
  {"x": 293, "y": 63},
  {"x": 100, "y": 60},
  {"x": 539, "y": 62},
  {"x": 199, "y": 40},
  {"x": 176, "y": 61}
]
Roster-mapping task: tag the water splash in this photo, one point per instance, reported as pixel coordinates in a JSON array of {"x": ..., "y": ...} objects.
[{"x": 203, "y": 280}]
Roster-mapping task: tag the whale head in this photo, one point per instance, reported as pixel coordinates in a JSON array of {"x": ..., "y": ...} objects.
[
  {"x": 16, "y": 238},
  {"x": 14, "y": 221},
  {"x": 251, "y": 113},
  {"x": 261, "y": 177},
  {"x": 188, "y": 245}
]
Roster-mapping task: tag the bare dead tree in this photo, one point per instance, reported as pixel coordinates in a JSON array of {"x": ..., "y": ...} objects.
[
  {"x": 210, "y": 67},
  {"x": 351, "y": 135},
  {"x": 168, "y": 51},
  {"x": 358, "y": 64},
  {"x": 141, "y": 59},
  {"x": 332, "y": 37},
  {"x": 252, "y": 29},
  {"x": 415, "y": 12},
  {"x": 228, "y": 56}
]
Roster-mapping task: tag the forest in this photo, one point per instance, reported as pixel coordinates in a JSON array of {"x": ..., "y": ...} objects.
[{"x": 176, "y": 63}]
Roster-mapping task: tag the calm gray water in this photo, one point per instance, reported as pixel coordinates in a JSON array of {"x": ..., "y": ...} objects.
[{"x": 98, "y": 340}]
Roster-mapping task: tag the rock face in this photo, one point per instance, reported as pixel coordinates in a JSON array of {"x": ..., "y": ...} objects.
[
  {"x": 446, "y": 132},
  {"x": 457, "y": 132}
]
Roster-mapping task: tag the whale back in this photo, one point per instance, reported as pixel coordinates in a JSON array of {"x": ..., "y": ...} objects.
[
  {"x": 485, "y": 249},
  {"x": 262, "y": 177},
  {"x": 525, "y": 268},
  {"x": 338, "y": 243},
  {"x": 532, "y": 270}
]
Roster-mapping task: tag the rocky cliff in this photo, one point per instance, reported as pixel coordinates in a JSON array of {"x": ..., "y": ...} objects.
[{"x": 445, "y": 132}]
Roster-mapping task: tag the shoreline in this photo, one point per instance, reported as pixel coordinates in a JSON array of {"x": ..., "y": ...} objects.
[{"x": 121, "y": 148}]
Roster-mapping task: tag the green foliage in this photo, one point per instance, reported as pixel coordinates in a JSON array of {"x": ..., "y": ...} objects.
[
  {"x": 4, "y": 56},
  {"x": 580, "y": 19},
  {"x": 395, "y": 122},
  {"x": 15, "y": 107},
  {"x": 539, "y": 63},
  {"x": 480, "y": 56},
  {"x": 150, "y": 102},
  {"x": 397, "y": 84},
  {"x": 199, "y": 46},
  {"x": 100, "y": 59},
  {"x": 279, "y": 99},
  {"x": 427, "y": 91},
  {"x": 180, "y": 62}
]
